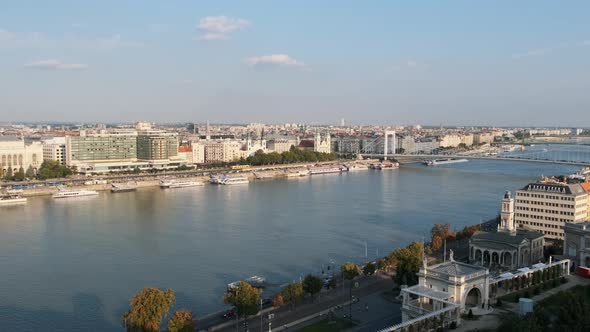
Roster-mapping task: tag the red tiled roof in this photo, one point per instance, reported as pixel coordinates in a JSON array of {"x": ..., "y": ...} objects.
[
  {"x": 306, "y": 144},
  {"x": 586, "y": 186},
  {"x": 185, "y": 148}
]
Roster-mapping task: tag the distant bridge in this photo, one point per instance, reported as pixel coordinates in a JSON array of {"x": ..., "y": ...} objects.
[{"x": 417, "y": 158}]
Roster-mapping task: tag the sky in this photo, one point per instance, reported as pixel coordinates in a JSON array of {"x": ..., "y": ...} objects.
[{"x": 489, "y": 63}]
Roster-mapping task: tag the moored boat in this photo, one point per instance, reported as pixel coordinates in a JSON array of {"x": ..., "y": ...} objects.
[
  {"x": 436, "y": 162},
  {"x": 234, "y": 180},
  {"x": 326, "y": 170},
  {"x": 179, "y": 184},
  {"x": 62, "y": 193},
  {"x": 11, "y": 199},
  {"x": 123, "y": 187}
]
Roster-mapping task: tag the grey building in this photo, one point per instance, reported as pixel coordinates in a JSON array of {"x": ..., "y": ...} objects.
[{"x": 576, "y": 245}]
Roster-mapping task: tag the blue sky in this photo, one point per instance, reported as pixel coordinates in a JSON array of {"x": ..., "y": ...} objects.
[{"x": 391, "y": 62}]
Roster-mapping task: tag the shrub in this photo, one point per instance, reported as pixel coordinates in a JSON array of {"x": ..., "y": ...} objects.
[
  {"x": 453, "y": 325},
  {"x": 470, "y": 314},
  {"x": 554, "y": 283},
  {"x": 498, "y": 302},
  {"x": 563, "y": 280},
  {"x": 536, "y": 291},
  {"x": 526, "y": 294}
]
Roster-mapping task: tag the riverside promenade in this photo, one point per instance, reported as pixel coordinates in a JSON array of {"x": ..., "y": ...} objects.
[{"x": 307, "y": 311}]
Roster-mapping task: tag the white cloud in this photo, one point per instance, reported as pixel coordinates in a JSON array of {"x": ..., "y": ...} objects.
[
  {"x": 220, "y": 27},
  {"x": 538, "y": 52},
  {"x": 52, "y": 64},
  {"x": 274, "y": 60},
  {"x": 11, "y": 39},
  {"x": 410, "y": 63}
]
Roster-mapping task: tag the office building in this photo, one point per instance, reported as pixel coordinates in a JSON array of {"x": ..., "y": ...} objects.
[
  {"x": 16, "y": 153},
  {"x": 55, "y": 149}
]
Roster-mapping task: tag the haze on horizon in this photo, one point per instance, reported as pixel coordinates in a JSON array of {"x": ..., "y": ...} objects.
[{"x": 501, "y": 63}]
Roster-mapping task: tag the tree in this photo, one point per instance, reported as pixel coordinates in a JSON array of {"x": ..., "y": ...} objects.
[
  {"x": 51, "y": 169},
  {"x": 293, "y": 293},
  {"x": 381, "y": 264},
  {"x": 312, "y": 284},
  {"x": 148, "y": 307},
  {"x": 182, "y": 321},
  {"x": 278, "y": 301},
  {"x": 245, "y": 298},
  {"x": 408, "y": 260},
  {"x": 436, "y": 243},
  {"x": 30, "y": 173},
  {"x": 20, "y": 174},
  {"x": 369, "y": 269},
  {"x": 136, "y": 170},
  {"x": 8, "y": 175},
  {"x": 349, "y": 270}
]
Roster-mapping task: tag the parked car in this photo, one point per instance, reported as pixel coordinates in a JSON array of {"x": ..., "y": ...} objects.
[{"x": 230, "y": 313}]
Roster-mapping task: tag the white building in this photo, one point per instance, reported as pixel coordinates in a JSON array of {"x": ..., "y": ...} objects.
[
  {"x": 198, "y": 152},
  {"x": 547, "y": 206},
  {"x": 16, "y": 153},
  {"x": 449, "y": 286},
  {"x": 322, "y": 143},
  {"x": 222, "y": 151},
  {"x": 55, "y": 149},
  {"x": 576, "y": 245},
  {"x": 281, "y": 145}
]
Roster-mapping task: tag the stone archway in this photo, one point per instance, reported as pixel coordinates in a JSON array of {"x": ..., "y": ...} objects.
[
  {"x": 495, "y": 257},
  {"x": 473, "y": 298},
  {"x": 477, "y": 255},
  {"x": 486, "y": 258}
]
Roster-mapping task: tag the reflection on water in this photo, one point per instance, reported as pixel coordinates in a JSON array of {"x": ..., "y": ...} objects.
[{"x": 196, "y": 240}]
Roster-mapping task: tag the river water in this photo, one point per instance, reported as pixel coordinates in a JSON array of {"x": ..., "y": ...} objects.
[{"x": 73, "y": 265}]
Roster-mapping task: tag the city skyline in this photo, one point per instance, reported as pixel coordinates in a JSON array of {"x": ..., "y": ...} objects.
[{"x": 501, "y": 64}]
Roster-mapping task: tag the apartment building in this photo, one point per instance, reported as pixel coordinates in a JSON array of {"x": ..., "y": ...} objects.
[
  {"x": 222, "y": 151},
  {"x": 547, "y": 207},
  {"x": 55, "y": 149}
]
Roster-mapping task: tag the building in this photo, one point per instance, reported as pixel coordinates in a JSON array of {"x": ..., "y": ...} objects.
[
  {"x": 449, "y": 286},
  {"x": 576, "y": 244},
  {"x": 116, "y": 146},
  {"x": 483, "y": 138},
  {"x": 347, "y": 145},
  {"x": 156, "y": 145},
  {"x": 55, "y": 149},
  {"x": 547, "y": 206},
  {"x": 280, "y": 145},
  {"x": 450, "y": 141},
  {"x": 16, "y": 153},
  {"x": 222, "y": 151},
  {"x": 198, "y": 149},
  {"x": 321, "y": 143},
  {"x": 508, "y": 247}
]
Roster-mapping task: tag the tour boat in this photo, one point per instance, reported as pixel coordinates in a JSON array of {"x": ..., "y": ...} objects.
[
  {"x": 326, "y": 170},
  {"x": 12, "y": 200},
  {"x": 437, "y": 162},
  {"x": 123, "y": 187},
  {"x": 179, "y": 184},
  {"x": 74, "y": 193},
  {"x": 263, "y": 176},
  {"x": 234, "y": 180},
  {"x": 214, "y": 179},
  {"x": 352, "y": 168},
  {"x": 386, "y": 166}
]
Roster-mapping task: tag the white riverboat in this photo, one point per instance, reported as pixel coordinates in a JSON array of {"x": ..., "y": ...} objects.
[
  {"x": 326, "y": 170},
  {"x": 387, "y": 166},
  {"x": 62, "y": 193},
  {"x": 353, "y": 168},
  {"x": 10, "y": 199},
  {"x": 234, "y": 180},
  {"x": 437, "y": 162},
  {"x": 179, "y": 184}
]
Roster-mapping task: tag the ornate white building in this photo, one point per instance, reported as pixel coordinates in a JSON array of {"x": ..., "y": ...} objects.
[
  {"x": 16, "y": 153},
  {"x": 322, "y": 143}
]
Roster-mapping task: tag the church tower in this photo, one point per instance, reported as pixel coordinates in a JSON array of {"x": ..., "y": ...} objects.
[{"x": 507, "y": 215}]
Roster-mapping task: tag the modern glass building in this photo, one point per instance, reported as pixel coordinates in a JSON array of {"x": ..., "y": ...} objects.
[
  {"x": 102, "y": 147},
  {"x": 156, "y": 145}
]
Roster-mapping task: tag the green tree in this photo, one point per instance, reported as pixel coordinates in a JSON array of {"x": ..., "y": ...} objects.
[
  {"x": 369, "y": 269},
  {"x": 148, "y": 308},
  {"x": 20, "y": 174},
  {"x": 182, "y": 321},
  {"x": 8, "y": 176},
  {"x": 30, "y": 173},
  {"x": 293, "y": 292},
  {"x": 408, "y": 261},
  {"x": 51, "y": 169},
  {"x": 381, "y": 264},
  {"x": 312, "y": 284},
  {"x": 245, "y": 298},
  {"x": 349, "y": 270},
  {"x": 136, "y": 170}
]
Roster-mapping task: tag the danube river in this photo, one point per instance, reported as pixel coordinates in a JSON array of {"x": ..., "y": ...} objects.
[{"x": 73, "y": 265}]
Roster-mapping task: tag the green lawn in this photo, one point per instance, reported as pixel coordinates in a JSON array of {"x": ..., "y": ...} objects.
[{"x": 337, "y": 325}]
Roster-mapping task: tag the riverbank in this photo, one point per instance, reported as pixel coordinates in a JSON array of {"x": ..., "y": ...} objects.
[{"x": 147, "y": 180}]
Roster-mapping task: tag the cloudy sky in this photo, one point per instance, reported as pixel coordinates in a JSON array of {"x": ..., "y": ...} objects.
[{"x": 393, "y": 62}]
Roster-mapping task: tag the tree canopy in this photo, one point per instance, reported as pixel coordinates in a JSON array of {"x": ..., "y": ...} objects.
[
  {"x": 182, "y": 321},
  {"x": 244, "y": 297},
  {"x": 349, "y": 270},
  {"x": 148, "y": 308},
  {"x": 51, "y": 169},
  {"x": 408, "y": 261},
  {"x": 312, "y": 284},
  {"x": 294, "y": 155},
  {"x": 293, "y": 292}
]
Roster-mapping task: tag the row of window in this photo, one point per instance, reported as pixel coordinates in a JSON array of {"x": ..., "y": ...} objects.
[
  {"x": 524, "y": 201},
  {"x": 554, "y": 197},
  {"x": 534, "y": 216}
]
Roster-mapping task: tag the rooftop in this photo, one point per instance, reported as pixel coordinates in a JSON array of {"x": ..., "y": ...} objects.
[
  {"x": 555, "y": 187},
  {"x": 427, "y": 292},
  {"x": 506, "y": 238},
  {"x": 454, "y": 268}
]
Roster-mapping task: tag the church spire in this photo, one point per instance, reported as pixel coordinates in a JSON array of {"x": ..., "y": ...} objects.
[{"x": 507, "y": 215}]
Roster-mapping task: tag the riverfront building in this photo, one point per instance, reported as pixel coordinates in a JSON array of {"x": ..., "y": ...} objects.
[
  {"x": 16, "y": 153},
  {"x": 55, "y": 149},
  {"x": 322, "y": 143},
  {"x": 508, "y": 247},
  {"x": 280, "y": 145},
  {"x": 547, "y": 206},
  {"x": 156, "y": 145},
  {"x": 576, "y": 245},
  {"x": 222, "y": 151}
]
